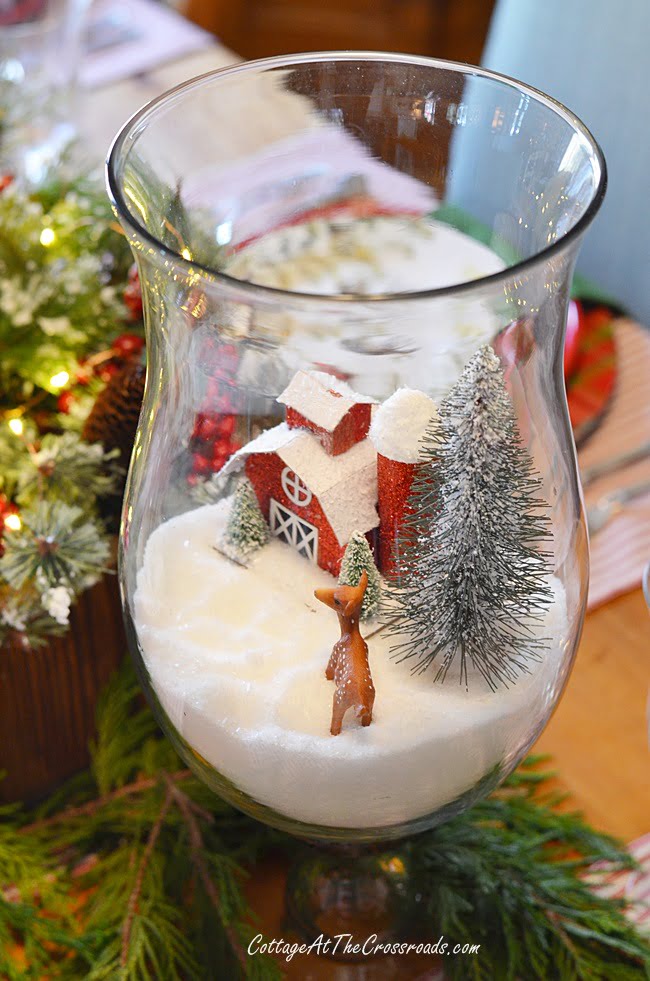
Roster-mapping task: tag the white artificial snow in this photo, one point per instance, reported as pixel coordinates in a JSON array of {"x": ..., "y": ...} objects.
[
  {"x": 321, "y": 398},
  {"x": 56, "y": 601},
  {"x": 345, "y": 485},
  {"x": 399, "y": 424},
  {"x": 237, "y": 658}
]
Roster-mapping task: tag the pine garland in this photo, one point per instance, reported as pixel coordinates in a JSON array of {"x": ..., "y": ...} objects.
[
  {"x": 62, "y": 266},
  {"x": 134, "y": 871},
  {"x": 63, "y": 270},
  {"x": 55, "y": 549},
  {"x": 136, "y": 864}
]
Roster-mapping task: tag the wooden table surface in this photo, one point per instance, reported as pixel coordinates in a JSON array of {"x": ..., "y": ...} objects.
[{"x": 598, "y": 736}]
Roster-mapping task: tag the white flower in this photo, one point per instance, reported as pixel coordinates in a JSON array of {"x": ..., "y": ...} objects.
[
  {"x": 52, "y": 326},
  {"x": 11, "y": 616},
  {"x": 56, "y": 602}
]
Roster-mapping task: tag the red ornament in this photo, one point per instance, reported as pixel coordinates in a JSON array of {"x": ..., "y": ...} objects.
[
  {"x": 5, "y": 181},
  {"x": 219, "y": 457},
  {"x": 593, "y": 379},
  {"x": 226, "y": 425},
  {"x": 212, "y": 442}
]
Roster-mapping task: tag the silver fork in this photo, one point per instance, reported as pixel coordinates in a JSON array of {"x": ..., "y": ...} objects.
[{"x": 601, "y": 513}]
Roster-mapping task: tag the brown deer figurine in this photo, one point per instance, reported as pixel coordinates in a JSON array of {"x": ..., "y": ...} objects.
[{"x": 348, "y": 665}]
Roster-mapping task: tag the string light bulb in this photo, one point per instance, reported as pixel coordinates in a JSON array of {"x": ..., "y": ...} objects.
[
  {"x": 16, "y": 426},
  {"x": 47, "y": 237},
  {"x": 60, "y": 379},
  {"x": 13, "y": 522}
]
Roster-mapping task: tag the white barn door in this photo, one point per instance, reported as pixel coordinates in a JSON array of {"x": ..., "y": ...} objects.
[{"x": 295, "y": 531}]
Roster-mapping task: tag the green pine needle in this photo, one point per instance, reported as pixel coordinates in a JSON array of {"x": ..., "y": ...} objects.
[
  {"x": 66, "y": 468},
  {"x": 160, "y": 861},
  {"x": 58, "y": 545}
]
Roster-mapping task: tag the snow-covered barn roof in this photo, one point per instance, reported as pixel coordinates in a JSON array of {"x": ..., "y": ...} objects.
[
  {"x": 321, "y": 398},
  {"x": 345, "y": 485}
]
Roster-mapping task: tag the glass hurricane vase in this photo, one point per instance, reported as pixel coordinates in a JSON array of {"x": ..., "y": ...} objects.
[{"x": 355, "y": 271}]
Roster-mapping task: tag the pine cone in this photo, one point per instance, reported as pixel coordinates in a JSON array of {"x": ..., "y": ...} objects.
[{"x": 113, "y": 421}]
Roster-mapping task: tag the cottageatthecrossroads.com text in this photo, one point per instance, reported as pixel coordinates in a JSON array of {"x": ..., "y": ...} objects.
[{"x": 343, "y": 944}]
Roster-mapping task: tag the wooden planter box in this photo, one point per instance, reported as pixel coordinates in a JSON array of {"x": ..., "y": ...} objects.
[{"x": 48, "y": 696}]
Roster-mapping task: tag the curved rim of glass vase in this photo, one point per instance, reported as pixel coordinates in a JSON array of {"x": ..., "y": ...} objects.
[{"x": 260, "y": 292}]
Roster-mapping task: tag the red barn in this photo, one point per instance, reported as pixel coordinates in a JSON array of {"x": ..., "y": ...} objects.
[{"x": 316, "y": 475}]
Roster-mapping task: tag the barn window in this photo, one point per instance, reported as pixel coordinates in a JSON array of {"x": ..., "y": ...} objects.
[
  {"x": 294, "y": 488},
  {"x": 294, "y": 531}
]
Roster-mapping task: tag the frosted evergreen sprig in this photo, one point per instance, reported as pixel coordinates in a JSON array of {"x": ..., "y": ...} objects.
[
  {"x": 67, "y": 468},
  {"x": 473, "y": 577},
  {"x": 58, "y": 546},
  {"x": 25, "y": 619},
  {"x": 63, "y": 266}
]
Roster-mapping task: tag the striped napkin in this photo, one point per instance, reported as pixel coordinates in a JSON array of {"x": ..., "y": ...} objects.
[
  {"x": 621, "y": 549},
  {"x": 633, "y": 886}
]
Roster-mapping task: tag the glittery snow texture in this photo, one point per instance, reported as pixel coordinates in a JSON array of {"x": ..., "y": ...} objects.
[
  {"x": 394, "y": 481},
  {"x": 399, "y": 424}
]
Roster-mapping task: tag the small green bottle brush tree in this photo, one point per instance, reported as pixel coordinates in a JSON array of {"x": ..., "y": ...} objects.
[{"x": 472, "y": 572}]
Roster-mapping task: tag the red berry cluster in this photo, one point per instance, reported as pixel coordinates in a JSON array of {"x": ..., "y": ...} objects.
[
  {"x": 6, "y": 508},
  {"x": 103, "y": 365},
  {"x": 213, "y": 437},
  {"x": 212, "y": 443},
  {"x": 133, "y": 294}
]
